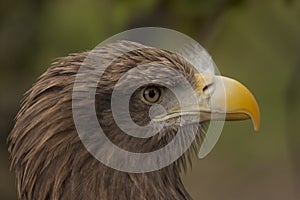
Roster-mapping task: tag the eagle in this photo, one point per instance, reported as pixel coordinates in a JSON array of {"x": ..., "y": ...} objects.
[{"x": 50, "y": 159}]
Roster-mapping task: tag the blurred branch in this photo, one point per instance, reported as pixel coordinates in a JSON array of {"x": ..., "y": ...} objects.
[{"x": 198, "y": 17}]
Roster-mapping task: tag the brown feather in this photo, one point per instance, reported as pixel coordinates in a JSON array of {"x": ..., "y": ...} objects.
[{"x": 48, "y": 157}]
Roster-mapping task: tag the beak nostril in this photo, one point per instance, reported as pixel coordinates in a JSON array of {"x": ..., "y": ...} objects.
[{"x": 208, "y": 89}]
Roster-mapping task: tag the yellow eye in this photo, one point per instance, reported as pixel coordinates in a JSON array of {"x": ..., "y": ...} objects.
[{"x": 151, "y": 94}]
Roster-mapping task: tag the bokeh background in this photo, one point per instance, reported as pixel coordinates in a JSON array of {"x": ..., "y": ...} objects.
[{"x": 254, "y": 41}]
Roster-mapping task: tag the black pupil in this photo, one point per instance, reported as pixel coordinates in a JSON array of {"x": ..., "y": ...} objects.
[{"x": 151, "y": 94}]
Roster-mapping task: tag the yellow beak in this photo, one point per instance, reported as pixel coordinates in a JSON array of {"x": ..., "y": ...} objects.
[
  {"x": 227, "y": 100},
  {"x": 229, "y": 97}
]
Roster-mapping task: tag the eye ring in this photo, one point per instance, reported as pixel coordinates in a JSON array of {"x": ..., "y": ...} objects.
[{"x": 151, "y": 95}]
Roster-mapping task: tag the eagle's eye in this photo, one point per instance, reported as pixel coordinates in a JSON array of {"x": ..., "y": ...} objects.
[{"x": 151, "y": 94}]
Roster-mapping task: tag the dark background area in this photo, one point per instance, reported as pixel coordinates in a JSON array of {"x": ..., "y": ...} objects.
[{"x": 254, "y": 41}]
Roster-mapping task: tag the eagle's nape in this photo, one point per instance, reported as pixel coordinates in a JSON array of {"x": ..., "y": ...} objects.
[{"x": 49, "y": 159}]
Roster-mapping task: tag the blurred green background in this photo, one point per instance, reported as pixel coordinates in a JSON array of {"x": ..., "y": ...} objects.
[{"x": 254, "y": 41}]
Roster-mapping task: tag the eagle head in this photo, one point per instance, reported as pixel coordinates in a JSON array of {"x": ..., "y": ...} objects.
[{"x": 143, "y": 100}]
